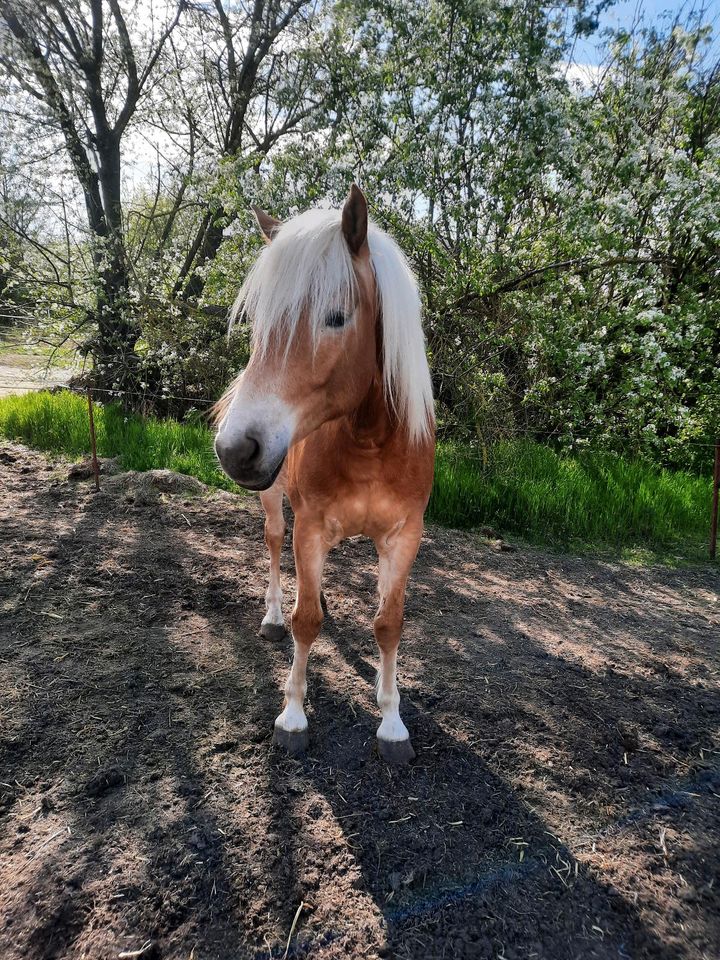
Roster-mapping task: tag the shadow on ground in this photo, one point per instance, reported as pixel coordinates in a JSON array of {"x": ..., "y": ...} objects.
[{"x": 563, "y": 803}]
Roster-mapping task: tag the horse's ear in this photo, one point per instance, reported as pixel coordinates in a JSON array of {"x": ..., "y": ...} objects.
[
  {"x": 269, "y": 225},
  {"x": 355, "y": 219}
]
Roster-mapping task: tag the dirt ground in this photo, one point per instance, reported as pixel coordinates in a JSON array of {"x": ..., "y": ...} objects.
[
  {"x": 21, "y": 371},
  {"x": 564, "y": 802}
]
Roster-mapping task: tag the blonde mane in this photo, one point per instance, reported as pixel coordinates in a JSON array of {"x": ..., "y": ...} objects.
[{"x": 308, "y": 267}]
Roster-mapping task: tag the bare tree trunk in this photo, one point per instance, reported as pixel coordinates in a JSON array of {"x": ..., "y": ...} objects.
[
  {"x": 117, "y": 327},
  {"x": 266, "y": 22}
]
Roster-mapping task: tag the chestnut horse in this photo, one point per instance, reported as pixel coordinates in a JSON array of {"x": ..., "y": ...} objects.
[{"x": 335, "y": 409}]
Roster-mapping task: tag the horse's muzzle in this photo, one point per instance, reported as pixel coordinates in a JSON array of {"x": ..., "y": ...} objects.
[
  {"x": 244, "y": 460},
  {"x": 262, "y": 484}
]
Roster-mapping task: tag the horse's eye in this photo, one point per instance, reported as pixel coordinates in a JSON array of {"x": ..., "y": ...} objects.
[{"x": 335, "y": 319}]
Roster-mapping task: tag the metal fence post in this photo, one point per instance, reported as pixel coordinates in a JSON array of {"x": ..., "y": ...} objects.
[
  {"x": 95, "y": 464},
  {"x": 716, "y": 493}
]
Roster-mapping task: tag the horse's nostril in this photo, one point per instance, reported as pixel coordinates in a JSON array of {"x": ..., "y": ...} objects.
[
  {"x": 238, "y": 454},
  {"x": 251, "y": 450}
]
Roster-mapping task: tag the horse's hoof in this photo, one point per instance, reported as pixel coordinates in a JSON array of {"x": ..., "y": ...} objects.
[
  {"x": 273, "y": 631},
  {"x": 396, "y": 751},
  {"x": 293, "y": 741},
  {"x": 323, "y": 602}
]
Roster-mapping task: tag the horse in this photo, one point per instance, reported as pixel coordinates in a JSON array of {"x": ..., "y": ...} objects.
[{"x": 334, "y": 409}]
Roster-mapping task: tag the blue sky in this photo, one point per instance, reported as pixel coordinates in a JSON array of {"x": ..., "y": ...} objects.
[{"x": 626, "y": 12}]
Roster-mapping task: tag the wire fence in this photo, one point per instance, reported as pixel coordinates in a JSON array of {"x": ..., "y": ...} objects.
[
  {"x": 503, "y": 433},
  {"x": 570, "y": 486},
  {"x": 146, "y": 395}
]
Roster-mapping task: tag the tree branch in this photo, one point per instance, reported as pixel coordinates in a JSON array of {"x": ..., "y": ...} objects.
[{"x": 536, "y": 277}]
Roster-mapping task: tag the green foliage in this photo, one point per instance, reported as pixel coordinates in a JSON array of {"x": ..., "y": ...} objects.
[
  {"x": 565, "y": 235},
  {"x": 187, "y": 356},
  {"x": 521, "y": 488}
]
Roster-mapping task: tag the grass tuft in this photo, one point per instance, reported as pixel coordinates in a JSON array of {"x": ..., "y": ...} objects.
[{"x": 58, "y": 423}]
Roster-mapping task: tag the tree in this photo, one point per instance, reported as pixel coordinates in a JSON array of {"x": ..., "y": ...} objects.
[
  {"x": 546, "y": 222},
  {"x": 247, "y": 78},
  {"x": 86, "y": 70}
]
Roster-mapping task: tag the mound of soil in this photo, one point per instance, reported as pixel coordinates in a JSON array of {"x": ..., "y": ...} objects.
[
  {"x": 564, "y": 711},
  {"x": 149, "y": 485},
  {"x": 107, "y": 466}
]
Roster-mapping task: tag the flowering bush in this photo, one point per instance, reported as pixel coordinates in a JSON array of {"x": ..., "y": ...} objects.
[{"x": 564, "y": 224}]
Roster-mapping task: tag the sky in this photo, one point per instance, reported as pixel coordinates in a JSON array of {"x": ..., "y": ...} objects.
[{"x": 625, "y": 13}]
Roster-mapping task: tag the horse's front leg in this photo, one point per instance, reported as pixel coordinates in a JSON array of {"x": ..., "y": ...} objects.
[
  {"x": 273, "y": 625},
  {"x": 396, "y": 552},
  {"x": 291, "y": 727}
]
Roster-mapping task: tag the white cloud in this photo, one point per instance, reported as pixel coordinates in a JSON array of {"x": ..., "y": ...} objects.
[{"x": 584, "y": 75}]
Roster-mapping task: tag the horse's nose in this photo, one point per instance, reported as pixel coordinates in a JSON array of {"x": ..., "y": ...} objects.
[{"x": 239, "y": 454}]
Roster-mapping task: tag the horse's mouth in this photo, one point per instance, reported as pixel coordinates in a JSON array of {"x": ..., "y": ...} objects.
[{"x": 264, "y": 482}]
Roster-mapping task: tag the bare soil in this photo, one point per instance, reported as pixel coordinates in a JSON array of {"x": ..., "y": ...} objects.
[
  {"x": 22, "y": 371},
  {"x": 564, "y": 802}
]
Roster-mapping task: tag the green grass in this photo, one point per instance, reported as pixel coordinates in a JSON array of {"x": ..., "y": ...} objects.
[
  {"x": 58, "y": 423},
  {"x": 522, "y": 489},
  {"x": 589, "y": 499}
]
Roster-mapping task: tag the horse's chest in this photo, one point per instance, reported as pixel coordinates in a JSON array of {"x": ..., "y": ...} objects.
[
  {"x": 347, "y": 509},
  {"x": 368, "y": 510},
  {"x": 349, "y": 490}
]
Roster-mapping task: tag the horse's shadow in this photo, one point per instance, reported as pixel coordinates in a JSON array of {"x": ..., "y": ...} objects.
[
  {"x": 455, "y": 859},
  {"x": 456, "y": 864}
]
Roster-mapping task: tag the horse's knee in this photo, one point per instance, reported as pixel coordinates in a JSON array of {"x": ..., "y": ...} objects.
[
  {"x": 387, "y": 626},
  {"x": 307, "y": 618},
  {"x": 274, "y": 533}
]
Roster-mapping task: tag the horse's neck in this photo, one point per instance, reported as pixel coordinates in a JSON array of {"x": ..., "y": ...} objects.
[{"x": 372, "y": 423}]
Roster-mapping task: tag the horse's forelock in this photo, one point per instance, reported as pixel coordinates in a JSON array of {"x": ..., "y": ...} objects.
[{"x": 306, "y": 270}]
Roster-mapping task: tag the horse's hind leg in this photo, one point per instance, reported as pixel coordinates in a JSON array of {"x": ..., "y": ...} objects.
[
  {"x": 273, "y": 625},
  {"x": 396, "y": 554}
]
